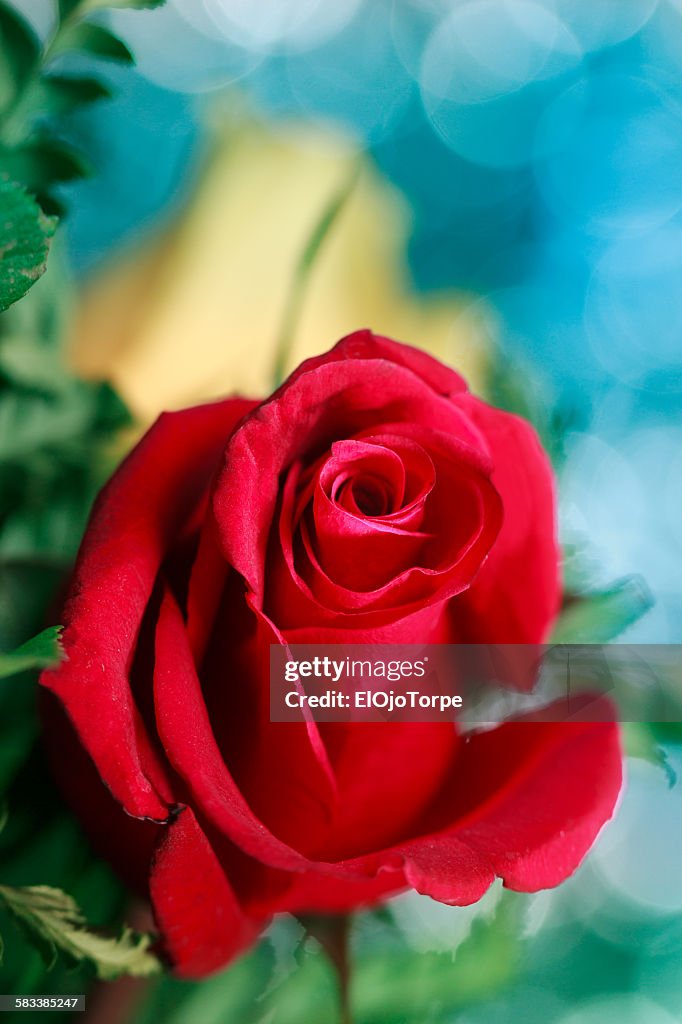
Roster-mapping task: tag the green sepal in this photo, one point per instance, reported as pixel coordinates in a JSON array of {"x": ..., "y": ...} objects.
[
  {"x": 597, "y": 618},
  {"x": 43, "y": 651}
]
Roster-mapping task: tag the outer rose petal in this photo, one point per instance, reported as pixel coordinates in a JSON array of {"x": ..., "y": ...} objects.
[
  {"x": 188, "y": 738},
  {"x": 136, "y": 518},
  {"x": 365, "y": 344},
  {"x": 546, "y": 792},
  {"x": 126, "y": 842},
  {"x": 196, "y": 909},
  {"x": 515, "y": 597},
  {"x": 536, "y": 831}
]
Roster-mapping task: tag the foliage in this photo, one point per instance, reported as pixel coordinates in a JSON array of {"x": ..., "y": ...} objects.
[
  {"x": 600, "y": 616},
  {"x": 42, "y": 651},
  {"x": 57, "y": 923},
  {"x": 57, "y": 444},
  {"x": 35, "y": 97},
  {"x": 307, "y": 259},
  {"x": 58, "y": 441},
  {"x": 392, "y": 983},
  {"x": 25, "y": 234}
]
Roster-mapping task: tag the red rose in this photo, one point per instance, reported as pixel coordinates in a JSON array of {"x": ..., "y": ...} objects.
[{"x": 370, "y": 499}]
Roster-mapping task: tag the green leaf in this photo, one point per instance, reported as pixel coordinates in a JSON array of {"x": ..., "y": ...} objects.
[
  {"x": 85, "y": 7},
  {"x": 25, "y": 234},
  {"x": 94, "y": 40},
  {"x": 137, "y": 5},
  {"x": 41, "y": 162},
  {"x": 57, "y": 923},
  {"x": 67, "y": 8},
  {"x": 44, "y": 842},
  {"x": 44, "y": 315},
  {"x": 600, "y": 617},
  {"x": 55, "y": 95},
  {"x": 20, "y": 52},
  {"x": 43, "y": 651}
]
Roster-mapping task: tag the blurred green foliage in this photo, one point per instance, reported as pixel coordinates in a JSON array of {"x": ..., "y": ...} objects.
[
  {"x": 598, "y": 617},
  {"x": 41, "y": 842},
  {"x": 35, "y": 97},
  {"x": 58, "y": 442},
  {"x": 391, "y": 982}
]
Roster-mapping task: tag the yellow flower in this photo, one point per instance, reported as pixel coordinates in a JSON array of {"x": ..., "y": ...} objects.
[{"x": 195, "y": 312}]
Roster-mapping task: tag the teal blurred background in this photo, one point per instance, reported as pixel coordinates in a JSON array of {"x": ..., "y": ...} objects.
[{"x": 533, "y": 149}]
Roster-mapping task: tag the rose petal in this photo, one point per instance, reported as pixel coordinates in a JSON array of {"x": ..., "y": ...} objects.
[
  {"x": 467, "y": 531},
  {"x": 332, "y": 400},
  {"x": 515, "y": 598},
  {"x": 531, "y": 802},
  {"x": 200, "y": 919},
  {"x": 386, "y": 773},
  {"x": 190, "y": 744},
  {"x": 367, "y": 345},
  {"x": 135, "y": 520}
]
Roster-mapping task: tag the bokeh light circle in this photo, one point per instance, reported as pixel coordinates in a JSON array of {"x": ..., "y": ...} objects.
[
  {"x": 282, "y": 25},
  {"x": 368, "y": 95},
  {"x": 488, "y": 48},
  {"x": 609, "y": 153},
  {"x": 486, "y": 73},
  {"x": 176, "y": 47},
  {"x": 636, "y": 857},
  {"x": 607, "y": 22},
  {"x": 412, "y": 22},
  {"x": 633, "y": 310}
]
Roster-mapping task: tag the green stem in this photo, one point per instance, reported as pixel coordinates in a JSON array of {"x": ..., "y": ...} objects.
[
  {"x": 332, "y": 931},
  {"x": 341, "y": 963},
  {"x": 304, "y": 268}
]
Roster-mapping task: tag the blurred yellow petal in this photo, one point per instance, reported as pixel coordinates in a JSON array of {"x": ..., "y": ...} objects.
[{"x": 196, "y": 313}]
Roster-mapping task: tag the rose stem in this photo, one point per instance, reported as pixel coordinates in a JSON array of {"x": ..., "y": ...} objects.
[
  {"x": 332, "y": 931},
  {"x": 304, "y": 267}
]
